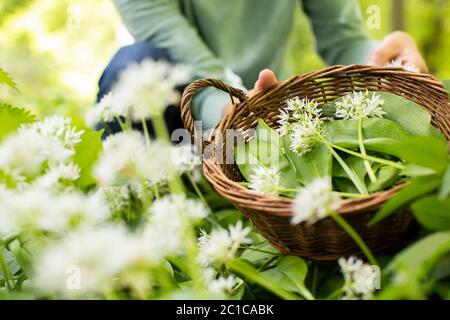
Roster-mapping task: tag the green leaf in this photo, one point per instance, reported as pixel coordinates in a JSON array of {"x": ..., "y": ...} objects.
[
  {"x": 427, "y": 152},
  {"x": 433, "y": 213},
  {"x": 5, "y": 78},
  {"x": 411, "y": 268},
  {"x": 290, "y": 274},
  {"x": 386, "y": 176},
  {"x": 380, "y": 135},
  {"x": 416, "y": 188},
  {"x": 265, "y": 149},
  {"x": 11, "y": 118},
  {"x": 356, "y": 165},
  {"x": 87, "y": 152},
  {"x": 444, "y": 190},
  {"x": 314, "y": 164},
  {"x": 420, "y": 257},
  {"x": 259, "y": 258},
  {"x": 408, "y": 114},
  {"x": 246, "y": 270}
]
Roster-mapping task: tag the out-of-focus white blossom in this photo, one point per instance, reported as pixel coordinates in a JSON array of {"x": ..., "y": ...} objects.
[
  {"x": 361, "y": 279},
  {"x": 265, "y": 180},
  {"x": 128, "y": 159},
  {"x": 360, "y": 105},
  {"x": 86, "y": 261},
  {"x": 148, "y": 87},
  {"x": 107, "y": 110},
  {"x": 221, "y": 245},
  {"x": 315, "y": 201},
  {"x": 39, "y": 209},
  {"x": 185, "y": 157},
  {"x": 59, "y": 177},
  {"x": 397, "y": 63}
]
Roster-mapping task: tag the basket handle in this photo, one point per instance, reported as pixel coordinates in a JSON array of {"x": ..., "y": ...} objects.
[{"x": 186, "y": 100}]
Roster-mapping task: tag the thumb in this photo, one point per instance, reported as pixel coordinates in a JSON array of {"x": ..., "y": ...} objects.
[{"x": 266, "y": 80}]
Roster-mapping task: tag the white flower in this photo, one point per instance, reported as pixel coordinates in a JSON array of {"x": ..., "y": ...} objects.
[
  {"x": 39, "y": 209},
  {"x": 149, "y": 87},
  {"x": 304, "y": 135},
  {"x": 222, "y": 284},
  {"x": 303, "y": 106},
  {"x": 117, "y": 197},
  {"x": 359, "y": 105},
  {"x": 59, "y": 176},
  {"x": 185, "y": 157},
  {"x": 265, "y": 180},
  {"x": 361, "y": 279},
  {"x": 315, "y": 201},
  {"x": 106, "y": 110},
  {"x": 397, "y": 63},
  {"x": 221, "y": 245},
  {"x": 86, "y": 261},
  {"x": 297, "y": 112},
  {"x": 127, "y": 159},
  {"x": 165, "y": 228},
  {"x": 239, "y": 234},
  {"x": 58, "y": 129}
]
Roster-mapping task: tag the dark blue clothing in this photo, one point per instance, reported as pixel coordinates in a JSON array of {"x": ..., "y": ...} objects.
[{"x": 127, "y": 55}]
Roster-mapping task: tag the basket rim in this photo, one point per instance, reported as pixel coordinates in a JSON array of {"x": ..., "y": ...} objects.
[{"x": 282, "y": 206}]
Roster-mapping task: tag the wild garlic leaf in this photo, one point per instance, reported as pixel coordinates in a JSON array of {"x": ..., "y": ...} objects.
[
  {"x": 446, "y": 84},
  {"x": 408, "y": 114},
  {"x": 386, "y": 176},
  {"x": 312, "y": 165},
  {"x": 265, "y": 149},
  {"x": 356, "y": 165},
  {"x": 290, "y": 273},
  {"x": 444, "y": 190},
  {"x": 87, "y": 152},
  {"x": 11, "y": 118},
  {"x": 380, "y": 135},
  {"x": 416, "y": 188},
  {"x": 427, "y": 152},
  {"x": 433, "y": 213}
]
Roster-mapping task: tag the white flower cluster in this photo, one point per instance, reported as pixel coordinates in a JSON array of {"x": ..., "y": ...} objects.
[
  {"x": 265, "y": 180},
  {"x": 86, "y": 261},
  {"x": 219, "y": 284},
  {"x": 221, "y": 245},
  {"x": 103, "y": 253},
  {"x": 143, "y": 90},
  {"x": 37, "y": 209},
  {"x": 44, "y": 145},
  {"x": 361, "y": 279},
  {"x": 301, "y": 121},
  {"x": 358, "y": 105},
  {"x": 397, "y": 63},
  {"x": 315, "y": 201},
  {"x": 128, "y": 160}
]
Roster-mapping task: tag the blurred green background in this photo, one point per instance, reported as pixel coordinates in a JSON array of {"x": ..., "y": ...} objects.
[{"x": 56, "y": 50}]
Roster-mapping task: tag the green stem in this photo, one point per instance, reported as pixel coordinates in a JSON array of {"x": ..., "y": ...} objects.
[
  {"x": 145, "y": 129},
  {"x": 349, "y": 195},
  {"x": 362, "y": 148},
  {"x": 122, "y": 125},
  {"x": 355, "y": 236},
  {"x": 197, "y": 191},
  {"x": 159, "y": 124},
  {"x": 259, "y": 250},
  {"x": 351, "y": 174},
  {"x": 5, "y": 270},
  {"x": 370, "y": 158}
]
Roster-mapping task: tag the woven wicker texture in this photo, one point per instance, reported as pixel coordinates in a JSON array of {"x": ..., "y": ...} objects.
[{"x": 325, "y": 240}]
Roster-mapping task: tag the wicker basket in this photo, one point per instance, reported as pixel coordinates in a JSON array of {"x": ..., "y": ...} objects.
[{"x": 325, "y": 240}]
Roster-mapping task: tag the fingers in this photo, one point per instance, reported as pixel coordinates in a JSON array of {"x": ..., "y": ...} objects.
[
  {"x": 266, "y": 80},
  {"x": 391, "y": 47}
]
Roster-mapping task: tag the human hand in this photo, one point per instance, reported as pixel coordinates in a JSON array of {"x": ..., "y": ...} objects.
[
  {"x": 398, "y": 46},
  {"x": 266, "y": 79}
]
